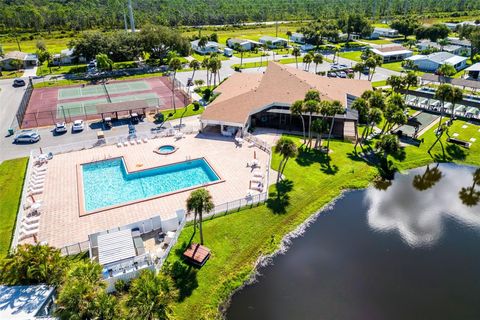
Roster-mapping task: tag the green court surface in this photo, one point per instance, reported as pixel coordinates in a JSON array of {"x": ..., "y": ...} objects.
[
  {"x": 424, "y": 118},
  {"x": 100, "y": 89},
  {"x": 88, "y": 107}
]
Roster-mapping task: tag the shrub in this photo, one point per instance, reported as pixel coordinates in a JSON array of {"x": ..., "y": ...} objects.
[
  {"x": 121, "y": 286},
  {"x": 196, "y": 105}
]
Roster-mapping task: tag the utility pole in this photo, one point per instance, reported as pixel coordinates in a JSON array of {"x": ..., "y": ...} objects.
[
  {"x": 132, "y": 21},
  {"x": 125, "y": 20}
]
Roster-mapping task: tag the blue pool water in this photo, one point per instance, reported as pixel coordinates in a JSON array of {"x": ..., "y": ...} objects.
[
  {"x": 107, "y": 183},
  {"x": 166, "y": 148}
]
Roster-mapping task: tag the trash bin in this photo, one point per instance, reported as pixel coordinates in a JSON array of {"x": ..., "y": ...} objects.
[{"x": 10, "y": 132}]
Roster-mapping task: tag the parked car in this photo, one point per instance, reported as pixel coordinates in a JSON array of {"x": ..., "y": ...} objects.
[
  {"x": 332, "y": 74},
  {"x": 78, "y": 125},
  {"x": 341, "y": 74},
  {"x": 27, "y": 136},
  {"x": 343, "y": 66},
  {"x": 60, "y": 127},
  {"x": 18, "y": 83}
]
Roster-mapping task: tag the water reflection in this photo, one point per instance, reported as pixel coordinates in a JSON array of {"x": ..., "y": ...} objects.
[
  {"x": 469, "y": 195},
  {"x": 418, "y": 216}
]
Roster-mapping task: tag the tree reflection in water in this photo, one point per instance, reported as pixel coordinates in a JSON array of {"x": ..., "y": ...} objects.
[
  {"x": 469, "y": 195},
  {"x": 428, "y": 179}
]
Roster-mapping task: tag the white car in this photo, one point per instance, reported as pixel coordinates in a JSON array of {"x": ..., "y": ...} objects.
[
  {"x": 78, "y": 125},
  {"x": 27, "y": 136},
  {"x": 60, "y": 127}
]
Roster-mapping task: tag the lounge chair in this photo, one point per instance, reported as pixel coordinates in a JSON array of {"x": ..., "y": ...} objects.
[
  {"x": 132, "y": 142},
  {"x": 145, "y": 140},
  {"x": 35, "y": 185},
  {"x": 40, "y": 169},
  {"x": 31, "y": 219},
  {"x": 139, "y": 141},
  {"x": 125, "y": 143},
  {"x": 28, "y": 227},
  {"x": 24, "y": 234},
  {"x": 35, "y": 192},
  {"x": 39, "y": 179},
  {"x": 119, "y": 144},
  {"x": 179, "y": 135},
  {"x": 258, "y": 188},
  {"x": 28, "y": 203},
  {"x": 258, "y": 173},
  {"x": 38, "y": 175}
]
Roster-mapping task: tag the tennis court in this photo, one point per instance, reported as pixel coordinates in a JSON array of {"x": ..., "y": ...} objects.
[
  {"x": 52, "y": 104},
  {"x": 98, "y": 90},
  {"x": 87, "y": 107},
  {"x": 423, "y": 120}
]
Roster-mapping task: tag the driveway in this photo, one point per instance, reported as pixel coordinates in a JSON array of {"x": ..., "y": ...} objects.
[{"x": 30, "y": 72}]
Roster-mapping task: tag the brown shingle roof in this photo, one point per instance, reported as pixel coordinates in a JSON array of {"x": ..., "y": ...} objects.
[{"x": 246, "y": 94}]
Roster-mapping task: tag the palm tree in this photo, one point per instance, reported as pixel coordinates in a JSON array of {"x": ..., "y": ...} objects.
[
  {"x": 446, "y": 70},
  {"x": 297, "y": 110},
  {"x": 287, "y": 149},
  {"x": 289, "y": 35},
  {"x": 335, "y": 107},
  {"x": 82, "y": 293},
  {"x": 241, "y": 50},
  {"x": 455, "y": 96},
  {"x": 199, "y": 201},
  {"x": 202, "y": 42},
  {"x": 206, "y": 65},
  {"x": 411, "y": 80},
  {"x": 307, "y": 59},
  {"x": 335, "y": 53},
  {"x": 444, "y": 91},
  {"x": 372, "y": 63},
  {"x": 388, "y": 144},
  {"x": 396, "y": 82},
  {"x": 318, "y": 126},
  {"x": 215, "y": 65},
  {"x": 194, "y": 65},
  {"x": 317, "y": 59},
  {"x": 443, "y": 43},
  {"x": 296, "y": 54},
  {"x": 359, "y": 67},
  {"x": 150, "y": 296},
  {"x": 311, "y": 105},
  {"x": 175, "y": 64},
  {"x": 33, "y": 264}
]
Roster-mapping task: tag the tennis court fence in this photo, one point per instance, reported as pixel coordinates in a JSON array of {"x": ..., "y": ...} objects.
[{"x": 22, "y": 108}]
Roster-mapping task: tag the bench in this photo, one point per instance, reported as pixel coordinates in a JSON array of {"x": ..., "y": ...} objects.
[{"x": 462, "y": 143}]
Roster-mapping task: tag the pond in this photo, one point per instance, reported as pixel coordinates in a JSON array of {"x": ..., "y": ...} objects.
[{"x": 405, "y": 250}]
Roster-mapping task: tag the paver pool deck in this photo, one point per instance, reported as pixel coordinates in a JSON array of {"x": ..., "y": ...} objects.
[{"x": 61, "y": 223}]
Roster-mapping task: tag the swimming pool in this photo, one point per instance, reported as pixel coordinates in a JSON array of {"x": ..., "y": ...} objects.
[{"x": 108, "y": 183}]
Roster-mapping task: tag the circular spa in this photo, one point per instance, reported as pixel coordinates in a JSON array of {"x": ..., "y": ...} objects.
[{"x": 166, "y": 149}]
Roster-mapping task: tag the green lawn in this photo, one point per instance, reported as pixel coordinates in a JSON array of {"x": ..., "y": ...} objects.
[
  {"x": 53, "y": 45},
  {"x": 12, "y": 174},
  {"x": 376, "y": 41},
  {"x": 250, "y": 54},
  {"x": 352, "y": 55},
  {"x": 237, "y": 240},
  {"x": 312, "y": 181},
  {"x": 264, "y": 63},
  {"x": 394, "y": 66},
  {"x": 182, "y": 112},
  {"x": 418, "y": 156},
  {"x": 201, "y": 57},
  {"x": 71, "y": 69},
  {"x": 10, "y": 74},
  {"x": 381, "y": 83},
  {"x": 58, "y": 83}
]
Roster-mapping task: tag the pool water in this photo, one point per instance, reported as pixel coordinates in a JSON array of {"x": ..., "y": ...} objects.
[
  {"x": 166, "y": 149},
  {"x": 107, "y": 183}
]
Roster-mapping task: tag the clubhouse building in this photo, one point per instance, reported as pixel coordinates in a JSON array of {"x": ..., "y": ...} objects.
[{"x": 251, "y": 100}]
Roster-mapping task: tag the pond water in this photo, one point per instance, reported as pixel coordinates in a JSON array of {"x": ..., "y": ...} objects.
[{"x": 409, "y": 250}]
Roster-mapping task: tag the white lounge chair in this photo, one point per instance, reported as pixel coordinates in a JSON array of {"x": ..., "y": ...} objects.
[
  {"x": 38, "y": 175},
  {"x": 31, "y": 220},
  {"x": 36, "y": 185},
  {"x": 39, "y": 169},
  {"x": 119, "y": 144},
  {"x": 258, "y": 173},
  {"x": 24, "y": 234},
  {"x": 145, "y": 140},
  {"x": 35, "y": 192},
  {"x": 132, "y": 142},
  {"x": 178, "y": 135},
  {"x": 257, "y": 188},
  {"x": 28, "y": 203},
  {"x": 28, "y": 227},
  {"x": 36, "y": 180},
  {"x": 125, "y": 143},
  {"x": 256, "y": 179},
  {"x": 139, "y": 141},
  {"x": 254, "y": 164}
]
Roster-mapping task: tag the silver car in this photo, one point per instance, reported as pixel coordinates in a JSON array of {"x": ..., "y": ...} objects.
[
  {"x": 78, "y": 125},
  {"x": 60, "y": 127},
  {"x": 27, "y": 136}
]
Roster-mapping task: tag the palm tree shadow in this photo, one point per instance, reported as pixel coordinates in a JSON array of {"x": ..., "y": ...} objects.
[
  {"x": 185, "y": 278},
  {"x": 279, "y": 199},
  {"x": 455, "y": 151}
]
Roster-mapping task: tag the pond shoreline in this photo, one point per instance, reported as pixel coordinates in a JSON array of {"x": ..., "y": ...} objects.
[{"x": 285, "y": 242}]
